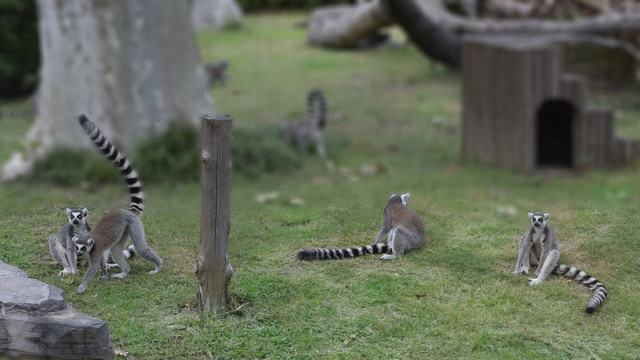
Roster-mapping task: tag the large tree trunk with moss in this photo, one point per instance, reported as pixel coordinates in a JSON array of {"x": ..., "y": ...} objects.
[
  {"x": 344, "y": 26},
  {"x": 132, "y": 66},
  {"x": 438, "y": 32}
]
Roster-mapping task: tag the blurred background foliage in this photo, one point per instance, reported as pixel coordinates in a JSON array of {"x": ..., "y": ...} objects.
[{"x": 19, "y": 48}]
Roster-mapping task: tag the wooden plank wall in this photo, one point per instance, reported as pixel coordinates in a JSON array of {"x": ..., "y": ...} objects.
[{"x": 505, "y": 81}]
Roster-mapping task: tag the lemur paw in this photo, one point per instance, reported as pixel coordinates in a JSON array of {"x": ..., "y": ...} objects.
[
  {"x": 534, "y": 282},
  {"x": 119, "y": 275},
  {"x": 387, "y": 257},
  {"x": 64, "y": 272},
  {"x": 80, "y": 289}
]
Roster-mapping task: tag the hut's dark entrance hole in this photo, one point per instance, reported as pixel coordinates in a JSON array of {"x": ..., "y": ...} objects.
[{"x": 555, "y": 134}]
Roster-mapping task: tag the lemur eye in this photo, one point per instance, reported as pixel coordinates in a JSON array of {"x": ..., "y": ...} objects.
[{"x": 80, "y": 216}]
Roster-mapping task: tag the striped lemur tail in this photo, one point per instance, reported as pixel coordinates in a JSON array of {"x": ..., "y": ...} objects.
[
  {"x": 331, "y": 254},
  {"x": 120, "y": 162},
  {"x": 317, "y": 108},
  {"x": 599, "y": 291}
]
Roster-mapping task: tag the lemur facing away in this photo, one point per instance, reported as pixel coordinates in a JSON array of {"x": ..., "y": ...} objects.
[
  {"x": 303, "y": 132},
  {"x": 111, "y": 231},
  {"x": 62, "y": 247},
  {"x": 405, "y": 229},
  {"x": 539, "y": 246}
]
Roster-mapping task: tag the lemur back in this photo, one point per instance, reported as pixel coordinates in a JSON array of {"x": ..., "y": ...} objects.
[
  {"x": 540, "y": 246},
  {"x": 405, "y": 233},
  {"x": 110, "y": 233},
  {"x": 303, "y": 132}
]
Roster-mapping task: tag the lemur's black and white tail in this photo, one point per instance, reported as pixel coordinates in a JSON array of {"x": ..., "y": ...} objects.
[
  {"x": 330, "y": 254},
  {"x": 120, "y": 162},
  {"x": 317, "y": 108},
  {"x": 596, "y": 287}
]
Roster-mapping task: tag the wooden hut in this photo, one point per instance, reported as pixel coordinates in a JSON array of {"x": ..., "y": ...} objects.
[{"x": 522, "y": 111}]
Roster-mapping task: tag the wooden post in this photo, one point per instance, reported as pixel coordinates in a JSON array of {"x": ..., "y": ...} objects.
[{"x": 213, "y": 269}]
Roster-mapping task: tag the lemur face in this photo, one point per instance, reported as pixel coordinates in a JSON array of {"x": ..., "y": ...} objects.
[
  {"x": 538, "y": 220},
  {"x": 77, "y": 216},
  {"x": 83, "y": 249}
]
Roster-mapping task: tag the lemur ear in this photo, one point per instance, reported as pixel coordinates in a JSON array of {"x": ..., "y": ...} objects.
[
  {"x": 530, "y": 216},
  {"x": 546, "y": 216},
  {"x": 68, "y": 212},
  {"x": 404, "y": 198},
  {"x": 90, "y": 241},
  {"x": 74, "y": 239},
  {"x": 85, "y": 212}
]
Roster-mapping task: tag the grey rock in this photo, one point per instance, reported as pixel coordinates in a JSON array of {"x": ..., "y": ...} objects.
[{"x": 37, "y": 323}]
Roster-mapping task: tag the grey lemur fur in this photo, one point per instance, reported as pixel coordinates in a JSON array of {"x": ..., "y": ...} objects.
[
  {"x": 63, "y": 247},
  {"x": 303, "y": 132},
  {"x": 110, "y": 233},
  {"x": 405, "y": 233},
  {"x": 539, "y": 246},
  {"x": 70, "y": 255}
]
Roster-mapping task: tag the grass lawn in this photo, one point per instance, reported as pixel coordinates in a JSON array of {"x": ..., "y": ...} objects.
[{"x": 390, "y": 110}]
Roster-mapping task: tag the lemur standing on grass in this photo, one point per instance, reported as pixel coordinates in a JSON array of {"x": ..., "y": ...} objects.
[
  {"x": 403, "y": 225},
  {"x": 302, "y": 133},
  {"x": 539, "y": 246},
  {"x": 70, "y": 255},
  {"x": 110, "y": 233}
]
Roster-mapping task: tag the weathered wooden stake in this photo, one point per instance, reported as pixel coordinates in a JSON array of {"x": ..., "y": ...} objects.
[{"x": 213, "y": 269}]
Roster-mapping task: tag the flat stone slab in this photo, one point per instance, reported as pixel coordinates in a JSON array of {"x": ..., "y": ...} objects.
[{"x": 36, "y": 322}]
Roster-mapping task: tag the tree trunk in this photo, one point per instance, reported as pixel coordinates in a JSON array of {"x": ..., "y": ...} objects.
[
  {"x": 213, "y": 269},
  {"x": 423, "y": 28},
  {"x": 344, "y": 26},
  {"x": 214, "y": 14},
  {"x": 438, "y": 32},
  {"x": 133, "y": 66}
]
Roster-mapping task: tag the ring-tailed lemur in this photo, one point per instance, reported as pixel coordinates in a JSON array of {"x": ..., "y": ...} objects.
[
  {"x": 63, "y": 247},
  {"x": 539, "y": 246},
  {"x": 217, "y": 72},
  {"x": 110, "y": 233},
  {"x": 303, "y": 132},
  {"x": 66, "y": 252},
  {"x": 405, "y": 229}
]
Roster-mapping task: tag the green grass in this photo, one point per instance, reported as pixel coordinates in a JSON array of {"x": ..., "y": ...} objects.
[{"x": 454, "y": 299}]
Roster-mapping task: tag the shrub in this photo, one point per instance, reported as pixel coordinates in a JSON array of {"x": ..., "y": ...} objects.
[
  {"x": 172, "y": 156},
  {"x": 69, "y": 167},
  {"x": 19, "y": 48},
  {"x": 262, "y": 150}
]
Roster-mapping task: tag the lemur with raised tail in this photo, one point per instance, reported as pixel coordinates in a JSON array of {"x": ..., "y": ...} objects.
[
  {"x": 539, "y": 246},
  {"x": 303, "y": 132},
  {"x": 405, "y": 233},
  {"x": 70, "y": 255},
  {"x": 63, "y": 248},
  {"x": 110, "y": 233}
]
